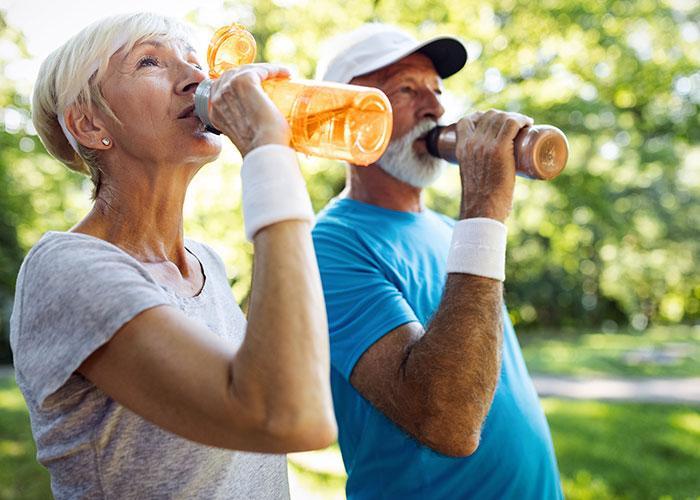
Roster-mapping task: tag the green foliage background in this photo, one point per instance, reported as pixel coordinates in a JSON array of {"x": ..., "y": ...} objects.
[{"x": 613, "y": 240}]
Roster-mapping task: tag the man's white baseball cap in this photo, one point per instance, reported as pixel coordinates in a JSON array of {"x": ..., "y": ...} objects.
[{"x": 376, "y": 45}]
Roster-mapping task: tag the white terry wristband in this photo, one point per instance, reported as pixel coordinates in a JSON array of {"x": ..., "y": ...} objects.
[
  {"x": 478, "y": 247},
  {"x": 273, "y": 188}
]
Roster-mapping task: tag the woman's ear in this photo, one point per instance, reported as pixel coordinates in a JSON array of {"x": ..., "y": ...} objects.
[{"x": 87, "y": 129}]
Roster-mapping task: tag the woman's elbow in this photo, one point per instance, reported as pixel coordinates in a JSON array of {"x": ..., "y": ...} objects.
[
  {"x": 317, "y": 435},
  {"x": 304, "y": 430}
]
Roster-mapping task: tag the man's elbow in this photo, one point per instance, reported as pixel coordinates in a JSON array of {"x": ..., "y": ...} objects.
[
  {"x": 459, "y": 448},
  {"x": 450, "y": 439}
]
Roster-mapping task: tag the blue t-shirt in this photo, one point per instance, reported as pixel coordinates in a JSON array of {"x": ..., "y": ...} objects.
[{"x": 383, "y": 268}]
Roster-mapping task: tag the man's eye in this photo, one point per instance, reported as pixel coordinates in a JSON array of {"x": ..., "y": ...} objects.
[{"x": 148, "y": 61}]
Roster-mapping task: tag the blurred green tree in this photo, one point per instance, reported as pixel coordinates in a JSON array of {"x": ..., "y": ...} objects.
[
  {"x": 613, "y": 240},
  {"x": 12, "y": 200},
  {"x": 37, "y": 193}
]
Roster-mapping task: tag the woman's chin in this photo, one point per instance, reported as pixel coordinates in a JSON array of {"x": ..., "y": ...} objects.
[
  {"x": 203, "y": 150},
  {"x": 208, "y": 142}
]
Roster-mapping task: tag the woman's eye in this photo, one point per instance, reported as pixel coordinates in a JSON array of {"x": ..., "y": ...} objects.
[
  {"x": 406, "y": 90},
  {"x": 148, "y": 61}
]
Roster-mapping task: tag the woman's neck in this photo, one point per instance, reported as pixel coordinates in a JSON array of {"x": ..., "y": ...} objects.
[{"x": 142, "y": 215}]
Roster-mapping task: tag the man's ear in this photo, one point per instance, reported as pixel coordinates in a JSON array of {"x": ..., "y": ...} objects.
[{"x": 87, "y": 129}]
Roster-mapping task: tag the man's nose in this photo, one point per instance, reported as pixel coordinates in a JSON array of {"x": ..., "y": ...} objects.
[{"x": 431, "y": 107}]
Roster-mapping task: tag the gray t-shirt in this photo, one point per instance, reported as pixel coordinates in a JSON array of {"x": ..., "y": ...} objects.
[{"x": 73, "y": 293}]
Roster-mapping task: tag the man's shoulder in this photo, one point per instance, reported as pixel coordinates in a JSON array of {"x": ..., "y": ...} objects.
[
  {"x": 333, "y": 233},
  {"x": 337, "y": 218},
  {"x": 345, "y": 236},
  {"x": 442, "y": 217}
]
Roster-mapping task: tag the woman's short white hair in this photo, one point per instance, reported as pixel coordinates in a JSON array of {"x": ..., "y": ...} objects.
[{"x": 72, "y": 75}]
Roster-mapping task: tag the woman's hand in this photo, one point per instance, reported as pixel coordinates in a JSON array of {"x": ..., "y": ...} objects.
[{"x": 241, "y": 109}]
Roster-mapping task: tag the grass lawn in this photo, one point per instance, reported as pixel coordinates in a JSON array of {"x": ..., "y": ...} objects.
[
  {"x": 605, "y": 450},
  {"x": 658, "y": 352},
  {"x": 635, "y": 451},
  {"x": 21, "y": 477}
]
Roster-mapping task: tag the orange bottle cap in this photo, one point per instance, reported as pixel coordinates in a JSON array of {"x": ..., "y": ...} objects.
[{"x": 230, "y": 47}]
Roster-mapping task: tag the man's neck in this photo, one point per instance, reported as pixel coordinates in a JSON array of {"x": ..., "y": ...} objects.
[{"x": 374, "y": 186}]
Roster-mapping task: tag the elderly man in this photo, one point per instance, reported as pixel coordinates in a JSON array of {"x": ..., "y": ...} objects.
[{"x": 432, "y": 397}]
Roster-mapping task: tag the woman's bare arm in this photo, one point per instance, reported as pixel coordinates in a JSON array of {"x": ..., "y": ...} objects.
[{"x": 272, "y": 395}]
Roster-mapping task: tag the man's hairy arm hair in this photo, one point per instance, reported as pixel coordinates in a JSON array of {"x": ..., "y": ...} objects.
[{"x": 438, "y": 384}]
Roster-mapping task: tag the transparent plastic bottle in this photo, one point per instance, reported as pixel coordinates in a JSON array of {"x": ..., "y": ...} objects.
[
  {"x": 541, "y": 151},
  {"x": 330, "y": 120}
]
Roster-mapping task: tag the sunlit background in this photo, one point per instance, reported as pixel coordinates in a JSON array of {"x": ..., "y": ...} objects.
[{"x": 602, "y": 275}]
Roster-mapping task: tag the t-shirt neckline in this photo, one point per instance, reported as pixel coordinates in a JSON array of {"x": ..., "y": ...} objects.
[
  {"x": 165, "y": 288},
  {"x": 384, "y": 211}
]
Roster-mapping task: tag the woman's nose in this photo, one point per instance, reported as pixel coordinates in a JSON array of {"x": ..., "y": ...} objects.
[{"x": 192, "y": 76}]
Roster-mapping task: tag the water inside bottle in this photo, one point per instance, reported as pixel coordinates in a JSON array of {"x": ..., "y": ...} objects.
[{"x": 330, "y": 121}]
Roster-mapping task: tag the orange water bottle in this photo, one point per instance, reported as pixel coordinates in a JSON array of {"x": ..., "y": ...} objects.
[{"x": 330, "y": 120}]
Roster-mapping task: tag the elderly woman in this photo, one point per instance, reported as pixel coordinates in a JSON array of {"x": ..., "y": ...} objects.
[{"x": 139, "y": 369}]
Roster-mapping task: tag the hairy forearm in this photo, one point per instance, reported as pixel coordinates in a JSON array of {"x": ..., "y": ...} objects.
[
  {"x": 452, "y": 371},
  {"x": 282, "y": 368}
]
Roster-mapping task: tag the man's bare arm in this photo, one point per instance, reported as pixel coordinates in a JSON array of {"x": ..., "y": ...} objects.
[{"x": 438, "y": 384}]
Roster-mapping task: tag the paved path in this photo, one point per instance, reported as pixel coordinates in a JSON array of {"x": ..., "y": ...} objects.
[
  {"x": 649, "y": 390},
  {"x": 652, "y": 390}
]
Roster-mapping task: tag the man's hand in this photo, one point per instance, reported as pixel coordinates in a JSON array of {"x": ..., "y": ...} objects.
[
  {"x": 241, "y": 109},
  {"x": 487, "y": 162}
]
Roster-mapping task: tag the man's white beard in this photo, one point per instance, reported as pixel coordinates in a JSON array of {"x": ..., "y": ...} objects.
[{"x": 401, "y": 161}]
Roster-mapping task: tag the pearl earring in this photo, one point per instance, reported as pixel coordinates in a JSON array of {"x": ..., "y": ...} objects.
[{"x": 106, "y": 141}]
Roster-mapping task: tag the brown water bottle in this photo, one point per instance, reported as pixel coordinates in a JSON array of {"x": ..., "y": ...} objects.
[{"x": 541, "y": 151}]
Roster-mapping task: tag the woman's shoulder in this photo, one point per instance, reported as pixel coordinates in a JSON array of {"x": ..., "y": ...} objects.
[
  {"x": 65, "y": 251},
  {"x": 74, "y": 292},
  {"x": 62, "y": 261},
  {"x": 68, "y": 244}
]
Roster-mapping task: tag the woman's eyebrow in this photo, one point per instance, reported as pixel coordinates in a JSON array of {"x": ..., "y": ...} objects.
[{"x": 158, "y": 44}]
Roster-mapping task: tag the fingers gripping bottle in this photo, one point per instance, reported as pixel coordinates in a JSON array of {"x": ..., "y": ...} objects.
[
  {"x": 342, "y": 122},
  {"x": 541, "y": 151}
]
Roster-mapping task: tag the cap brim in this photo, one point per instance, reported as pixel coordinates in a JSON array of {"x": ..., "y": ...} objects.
[{"x": 448, "y": 54}]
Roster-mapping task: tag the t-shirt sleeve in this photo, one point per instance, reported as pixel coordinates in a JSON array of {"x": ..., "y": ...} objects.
[
  {"x": 362, "y": 303},
  {"x": 73, "y": 294}
]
